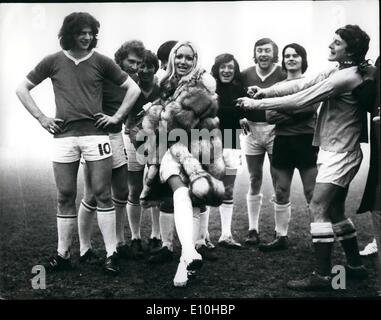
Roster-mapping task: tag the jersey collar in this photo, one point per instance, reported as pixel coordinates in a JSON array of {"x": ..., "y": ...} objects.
[{"x": 78, "y": 61}]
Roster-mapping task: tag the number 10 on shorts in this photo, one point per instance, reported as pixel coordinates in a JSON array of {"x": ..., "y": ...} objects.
[{"x": 104, "y": 148}]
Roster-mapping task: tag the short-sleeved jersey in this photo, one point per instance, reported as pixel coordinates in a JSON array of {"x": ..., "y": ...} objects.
[
  {"x": 138, "y": 106},
  {"x": 113, "y": 96},
  {"x": 78, "y": 88},
  {"x": 304, "y": 122},
  {"x": 250, "y": 77}
]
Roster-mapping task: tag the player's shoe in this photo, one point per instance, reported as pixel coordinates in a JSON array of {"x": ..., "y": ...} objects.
[
  {"x": 206, "y": 253},
  {"x": 194, "y": 262},
  {"x": 279, "y": 243},
  {"x": 154, "y": 245},
  {"x": 370, "y": 249},
  {"x": 252, "y": 238},
  {"x": 137, "y": 248},
  {"x": 111, "y": 265},
  {"x": 162, "y": 256},
  {"x": 314, "y": 282},
  {"x": 209, "y": 243},
  {"x": 89, "y": 258},
  {"x": 125, "y": 252},
  {"x": 356, "y": 273},
  {"x": 229, "y": 242},
  {"x": 57, "y": 263}
]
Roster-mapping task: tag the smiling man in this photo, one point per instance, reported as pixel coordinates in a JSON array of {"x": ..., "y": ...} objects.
[
  {"x": 338, "y": 133},
  {"x": 77, "y": 74},
  {"x": 260, "y": 134}
]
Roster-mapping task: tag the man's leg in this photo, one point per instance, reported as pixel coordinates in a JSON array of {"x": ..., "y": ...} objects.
[
  {"x": 100, "y": 176},
  {"x": 345, "y": 232},
  {"x": 65, "y": 175},
  {"x": 119, "y": 196},
  {"x": 226, "y": 214},
  {"x": 167, "y": 230},
  {"x": 282, "y": 209},
  {"x": 134, "y": 211},
  {"x": 308, "y": 177},
  {"x": 86, "y": 216},
  {"x": 254, "y": 197},
  {"x": 322, "y": 239}
]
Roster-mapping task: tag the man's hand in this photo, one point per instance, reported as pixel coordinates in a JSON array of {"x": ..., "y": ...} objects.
[
  {"x": 245, "y": 103},
  {"x": 52, "y": 125},
  {"x": 103, "y": 121},
  {"x": 245, "y": 126},
  {"x": 251, "y": 91},
  {"x": 259, "y": 94}
]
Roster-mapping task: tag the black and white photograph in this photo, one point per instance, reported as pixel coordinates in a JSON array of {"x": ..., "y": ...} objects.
[{"x": 183, "y": 151}]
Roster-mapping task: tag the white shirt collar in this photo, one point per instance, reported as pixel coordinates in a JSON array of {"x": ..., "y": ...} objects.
[{"x": 78, "y": 61}]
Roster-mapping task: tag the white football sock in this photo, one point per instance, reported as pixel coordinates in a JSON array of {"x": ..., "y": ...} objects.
[
  {"x": 155, "y": 220},
  {"x": 226, "y": 214},
  {"x": 134, "y": 213},
  {"x": 106, "y": 223},
  {"x": 120, "y": 220},
  {"x": 204, "y": 223},
  {"x": 204, "y": 220},
  {"x": 282, "y": 214},
  {"x": 167, "y": 229},
  {"x": 254, "y": 203},
  {"x": 196, "y": 227},
  {"x": 65, "y": 228},
  {"x": 183, "y": 213},
  {"x": 86, "y": 217}
]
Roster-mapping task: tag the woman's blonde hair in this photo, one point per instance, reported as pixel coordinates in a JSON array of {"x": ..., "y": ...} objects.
[{"x": 171, "y": 70}]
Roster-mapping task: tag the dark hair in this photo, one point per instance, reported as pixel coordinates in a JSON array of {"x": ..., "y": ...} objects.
[
  {"x": 264, "y": 41},
  {"x": 151, "y": 59},
  {"x": 132, "y": 46},
  {"x": 165, "y": 49},
  {"x": 73, "y": 24},
  {"x": 300, "y": 51},
  {"x": 357, "y": 41},
  {"x": 224, "y": 58}
]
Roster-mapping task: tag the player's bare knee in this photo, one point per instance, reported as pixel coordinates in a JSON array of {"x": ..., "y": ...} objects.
[
  {"x": 319, "y": 211},
  {"x": 134, "y": 195},
  {"x": 228, "y": 192},
  {"x": 90, "y": 200},
  {"x": 103, "y": 198},
  {"x": 66, "y": 197},
  {"x": 308, "y": 195}
]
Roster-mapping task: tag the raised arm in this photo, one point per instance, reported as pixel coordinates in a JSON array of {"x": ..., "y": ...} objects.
[
  {"x": 342, "y": 81},
  {"x": 291, "y": 87},
  {"x": 52, "y": 125}
]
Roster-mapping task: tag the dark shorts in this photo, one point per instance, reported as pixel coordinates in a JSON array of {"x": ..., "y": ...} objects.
[{"x": 290, "y": 152}]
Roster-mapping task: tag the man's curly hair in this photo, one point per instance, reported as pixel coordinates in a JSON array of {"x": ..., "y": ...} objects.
[
  {"x": 133, "y": 46},
  {"x": 73, "y": 24}
]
